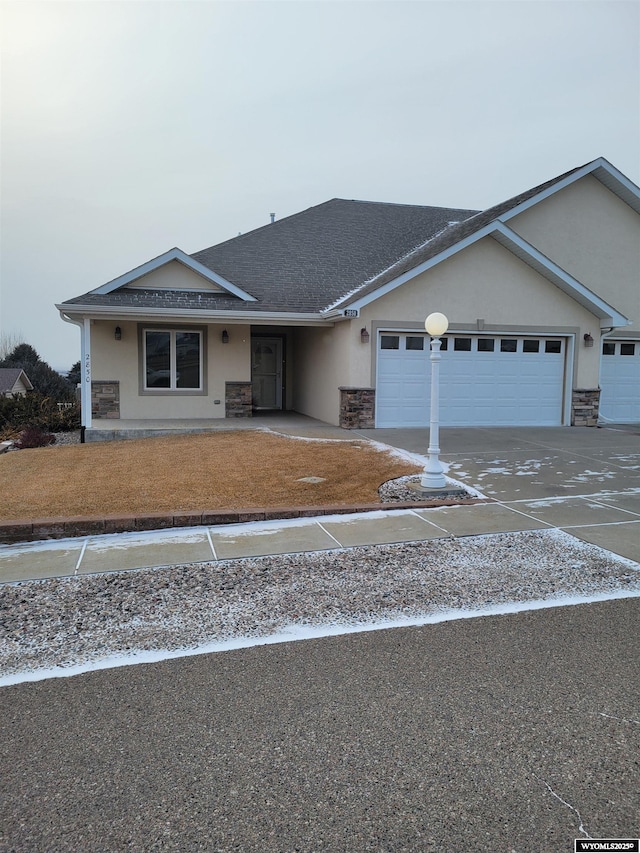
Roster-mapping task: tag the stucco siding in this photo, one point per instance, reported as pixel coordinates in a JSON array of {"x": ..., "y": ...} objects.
[
  {"x": 119, "y": 361},
  {"x": 174, "y": 276},
  {"x": 594, "y": 236},
  {"x": 488, "y": 283},
  {"x": 322, "y": 365}
]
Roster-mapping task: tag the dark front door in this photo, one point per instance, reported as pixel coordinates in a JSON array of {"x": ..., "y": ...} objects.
[{"x": 266, "y": 373}]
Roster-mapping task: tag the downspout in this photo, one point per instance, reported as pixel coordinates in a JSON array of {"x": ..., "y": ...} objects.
[
  {"x": 603, "y": 335},
  {"x": 85, "y": 371}
]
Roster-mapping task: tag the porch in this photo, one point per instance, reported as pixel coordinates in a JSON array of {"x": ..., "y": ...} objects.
[{"x": 288, "y": 423}]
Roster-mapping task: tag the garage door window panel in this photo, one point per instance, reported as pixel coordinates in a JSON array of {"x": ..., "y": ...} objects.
[
  {"x": 390, "y": 342},
  {"x": 486, "y": 344},
  {"x": 462, "y": 344},
  {"x": 415, "y": 343}
]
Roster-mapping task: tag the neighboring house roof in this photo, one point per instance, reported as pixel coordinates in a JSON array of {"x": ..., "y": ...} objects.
[
  {"x": 343, "y": 253},
  {"x": 9, "y": 378}
]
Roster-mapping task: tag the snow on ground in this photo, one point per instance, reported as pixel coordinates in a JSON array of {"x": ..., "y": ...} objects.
[{"x": 63, "y": 626}]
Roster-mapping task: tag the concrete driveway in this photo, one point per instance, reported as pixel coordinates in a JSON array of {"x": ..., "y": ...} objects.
[{"x": 586, "y": 481}]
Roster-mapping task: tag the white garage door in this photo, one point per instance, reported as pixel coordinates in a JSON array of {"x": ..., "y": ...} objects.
[
  {"x": 484, "y": 380},
  {"x": 620, "y": 381}
]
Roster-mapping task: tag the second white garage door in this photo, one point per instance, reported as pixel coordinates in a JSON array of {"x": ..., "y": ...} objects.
[
  {"x": 484, "y": 380},
  {"x": 620, "y": 381}
]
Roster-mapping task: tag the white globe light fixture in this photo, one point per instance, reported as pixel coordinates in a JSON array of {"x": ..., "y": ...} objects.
[{"x": 433, "y": 476}]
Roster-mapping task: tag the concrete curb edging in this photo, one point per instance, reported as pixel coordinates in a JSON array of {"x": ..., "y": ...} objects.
[{"x": 29, "y": 530}]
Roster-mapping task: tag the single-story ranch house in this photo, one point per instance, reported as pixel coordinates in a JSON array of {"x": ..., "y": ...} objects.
[{"x": 323, "y": 313}]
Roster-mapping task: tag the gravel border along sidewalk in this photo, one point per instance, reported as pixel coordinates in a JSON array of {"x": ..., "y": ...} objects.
[{"x": 70, "y": 621}]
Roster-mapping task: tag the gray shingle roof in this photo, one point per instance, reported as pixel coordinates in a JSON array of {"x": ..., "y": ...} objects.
[
  {"x": 307, "y": 262},
  {"x": 301, "y": 263},
  {"x": 138, "y": 297},
  {"x": 451, "y": 236}
]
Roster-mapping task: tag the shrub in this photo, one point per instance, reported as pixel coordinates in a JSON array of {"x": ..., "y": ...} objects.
[
  {"x": 35, "y": 410},
  {"x": 66, "y": 419},
  {"x": 34, "y": 437}
]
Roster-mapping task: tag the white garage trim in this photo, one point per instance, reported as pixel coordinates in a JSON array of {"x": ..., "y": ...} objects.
[{"x": 488, "y": 379}]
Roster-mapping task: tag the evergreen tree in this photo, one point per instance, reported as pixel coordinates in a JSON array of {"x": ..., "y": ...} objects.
[
  {"x": 45, "y": 379},
  {"x": 74, "y": 375},
  {"x": 21, "y": 356}
]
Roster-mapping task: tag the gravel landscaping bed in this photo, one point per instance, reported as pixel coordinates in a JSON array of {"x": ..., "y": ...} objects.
[
  {"x": 69, "y": 621},
  {"x": 71, "y": 437},
  {"x": 394, "y": 491}
]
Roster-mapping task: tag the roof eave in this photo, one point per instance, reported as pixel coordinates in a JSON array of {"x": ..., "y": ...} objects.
[{"x": 107, "y": 312}]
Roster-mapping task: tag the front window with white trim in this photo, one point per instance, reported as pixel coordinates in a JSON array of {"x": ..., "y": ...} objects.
[{"x": 172, "y": 360}]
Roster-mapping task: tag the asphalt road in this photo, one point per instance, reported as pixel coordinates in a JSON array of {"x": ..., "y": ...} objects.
[{"x": 493, "y": 734}]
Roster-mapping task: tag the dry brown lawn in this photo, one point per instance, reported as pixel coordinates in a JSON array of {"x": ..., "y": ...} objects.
[{"x": 224, "y": 470}]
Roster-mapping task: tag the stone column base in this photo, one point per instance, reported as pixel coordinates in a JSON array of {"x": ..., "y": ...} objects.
[
  {"x": 585, "y": 406},
  {"x": 237, "y": 400},
  {"x": 357, "y": 408},
  {"x": 105, "y": 399}
]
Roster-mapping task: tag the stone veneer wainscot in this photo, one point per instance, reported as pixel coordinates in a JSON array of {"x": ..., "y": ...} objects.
[
  {"x": 357, "y": 408},
  {"x": 105, "y": 399},
  {"x": 585, "y": 406},
  {"x": 238, "y": 400}
]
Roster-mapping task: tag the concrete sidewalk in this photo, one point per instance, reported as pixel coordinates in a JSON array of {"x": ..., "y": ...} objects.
[
  {"x": 611, "y": 521},
  {"x": 586, "y": 482}
]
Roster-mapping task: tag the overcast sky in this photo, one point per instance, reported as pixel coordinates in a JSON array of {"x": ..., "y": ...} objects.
[{"x": 132, "y": 127}]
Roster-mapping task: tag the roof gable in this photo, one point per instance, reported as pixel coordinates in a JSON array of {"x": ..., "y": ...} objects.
[
  {"x": 513, "y": 243},
  {"x": 491, "y": 222},
  {"x": 601, "y": 169},
  {"x": 133, "y": 278}
]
